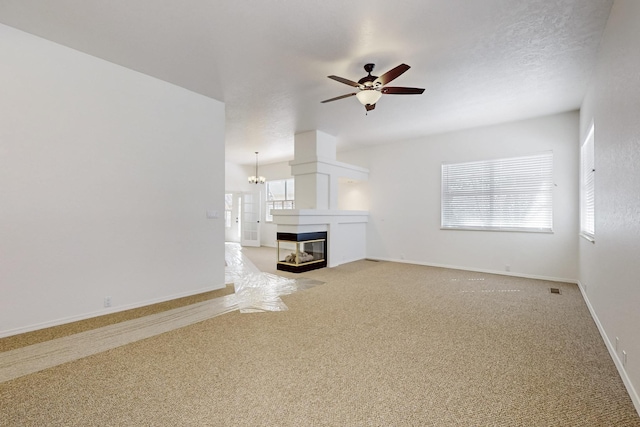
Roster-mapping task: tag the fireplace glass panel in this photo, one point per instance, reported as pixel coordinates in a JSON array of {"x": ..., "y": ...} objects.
[{"x": 300, "y": 252}]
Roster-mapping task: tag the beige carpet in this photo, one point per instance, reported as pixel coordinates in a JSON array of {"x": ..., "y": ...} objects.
[
  {"x": 56, "y": 332},
  {"x": 255, "y": 291},
  {"x": 377, "y": 344}
]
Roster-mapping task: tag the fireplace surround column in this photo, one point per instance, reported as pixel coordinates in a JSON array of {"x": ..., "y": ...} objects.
[{"x": 316, "y": 173}]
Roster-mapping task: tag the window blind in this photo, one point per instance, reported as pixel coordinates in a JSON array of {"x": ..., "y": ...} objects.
[
  {"x": 587, "y": 186},
  {"x": 514, "y": 194}
]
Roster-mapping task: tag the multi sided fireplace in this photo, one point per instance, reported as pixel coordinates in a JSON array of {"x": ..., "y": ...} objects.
[{"x": 300, "y": 252}]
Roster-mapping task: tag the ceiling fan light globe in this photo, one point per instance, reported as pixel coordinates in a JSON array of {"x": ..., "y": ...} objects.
[{"x": 368, "y": 96}]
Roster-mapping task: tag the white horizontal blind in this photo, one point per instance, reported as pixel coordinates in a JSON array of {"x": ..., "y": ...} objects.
[
  {"x": 587, "y": 187},
  {"x": 514, "y": 194}
]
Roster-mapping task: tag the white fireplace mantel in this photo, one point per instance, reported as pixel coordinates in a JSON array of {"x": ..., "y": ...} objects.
[{"x": 317, "y": 216}]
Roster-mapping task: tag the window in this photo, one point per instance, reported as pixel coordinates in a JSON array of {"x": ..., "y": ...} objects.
[
  {"x": 280, "y": 195},
  {"x": 514, "y": 194},
  {"x": 228, "y": 206},
  {"x": 587, "y": 187}
]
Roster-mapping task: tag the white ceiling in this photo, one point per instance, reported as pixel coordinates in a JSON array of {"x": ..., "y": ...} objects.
[{"x": 481, "y": 62}]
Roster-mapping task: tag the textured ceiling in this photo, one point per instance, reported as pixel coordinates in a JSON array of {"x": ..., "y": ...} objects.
[{"x": 481, "y": 62}]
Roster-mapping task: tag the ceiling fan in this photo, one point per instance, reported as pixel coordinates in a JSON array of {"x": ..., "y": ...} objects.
[{"x": 371, "y": 87}]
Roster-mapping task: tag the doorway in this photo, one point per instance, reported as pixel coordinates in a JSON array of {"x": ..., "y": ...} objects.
[{"x": 242, "y": 218}]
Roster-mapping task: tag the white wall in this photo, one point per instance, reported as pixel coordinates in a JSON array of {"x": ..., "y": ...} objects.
[
  {"x": 106, "y": 177},
  {"x": 353, "y": 195},
  {"x": 609, "y": 268},
  {"x": 236, "y": 177},
  {"x": 404, "y": 200}
]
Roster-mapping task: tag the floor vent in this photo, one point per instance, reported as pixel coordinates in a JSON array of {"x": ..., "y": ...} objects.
[{"x": 555, "y": 291}]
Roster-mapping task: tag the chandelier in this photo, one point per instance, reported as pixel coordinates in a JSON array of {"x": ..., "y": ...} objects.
[{"x": 257, "y": 179}]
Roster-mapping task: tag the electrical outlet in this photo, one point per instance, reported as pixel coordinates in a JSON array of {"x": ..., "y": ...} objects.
[
  {"x": 107, "y": 301},
  {"x": 624, "y": 358},
  {"x": 507, "y": 267},
  {"x": 617, "y": 343}
]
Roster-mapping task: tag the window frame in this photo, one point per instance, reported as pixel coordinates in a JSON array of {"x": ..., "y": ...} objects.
[
  {"x": 587, "y": 186},
  {"x": 286, "y": 203},
  {"x": 497, "y": 195}
]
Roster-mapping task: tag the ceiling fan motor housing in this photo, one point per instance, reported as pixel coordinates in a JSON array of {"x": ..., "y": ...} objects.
[{"x": 367, "y": 81}]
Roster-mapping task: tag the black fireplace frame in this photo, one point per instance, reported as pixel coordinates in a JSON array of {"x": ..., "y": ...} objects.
[{"x": 301, "y": 238}]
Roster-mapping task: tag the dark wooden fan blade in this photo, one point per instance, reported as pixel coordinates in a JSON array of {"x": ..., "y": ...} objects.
[
  {"x": 391, "y": 74},
  {"x": 338, "y": 97},
  {"x": 392, "y": 90},
  {"x": 345, "y": 81},
  {"x": 370, "y": 107}
]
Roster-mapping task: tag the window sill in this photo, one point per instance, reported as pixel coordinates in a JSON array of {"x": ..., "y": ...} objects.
[
  {"x": 588, "y": 237},
  {"x": 512, "y": 230}
]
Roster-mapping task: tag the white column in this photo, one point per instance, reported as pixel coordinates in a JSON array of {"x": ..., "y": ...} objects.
[{"x": 314, "y": 189}]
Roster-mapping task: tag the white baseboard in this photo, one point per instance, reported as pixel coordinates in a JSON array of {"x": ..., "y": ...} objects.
[
  {"x": 480, "y": 270},
  {"x": 111, "y": 310},
  {"x": 348, "y": 260},
  {"x": 612, "y": 352}
]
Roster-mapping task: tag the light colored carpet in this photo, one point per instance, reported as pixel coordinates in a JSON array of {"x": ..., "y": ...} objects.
[
  {"x": 378, "y": 344},
  {"x": 34, "y": 358},
  {"x": 54, "y": 332},
  {"x": 254, "y": 292}
]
